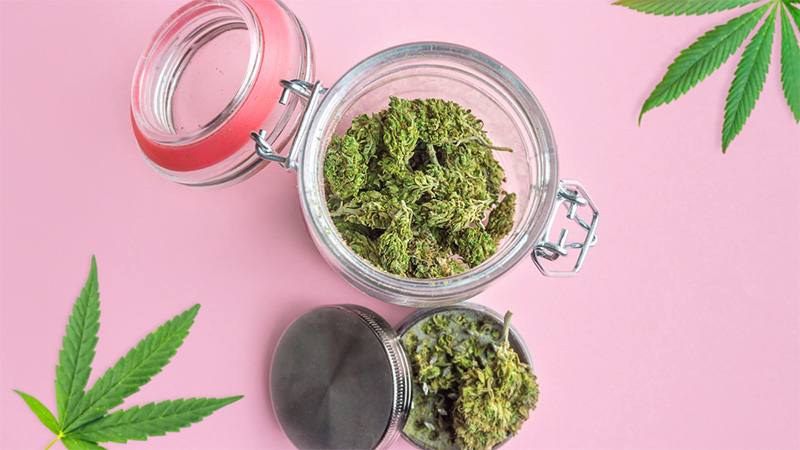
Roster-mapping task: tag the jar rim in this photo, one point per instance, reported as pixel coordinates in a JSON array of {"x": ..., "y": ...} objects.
[{"x": 437, "y": 291}]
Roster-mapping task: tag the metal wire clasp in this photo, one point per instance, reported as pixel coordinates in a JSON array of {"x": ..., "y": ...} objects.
[
  {"x": 572, "y": 195},
  {"x": 311, "y": 95}
]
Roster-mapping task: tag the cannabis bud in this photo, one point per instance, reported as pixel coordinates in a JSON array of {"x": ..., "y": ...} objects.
[
  {"x": 415, "y": 189},
  {"x": 470, "y": 389},
  {"x": 494, "y": 400}
]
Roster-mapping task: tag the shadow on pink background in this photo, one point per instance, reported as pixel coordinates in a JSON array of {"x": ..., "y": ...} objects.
[{"x": 681, "y": 331}]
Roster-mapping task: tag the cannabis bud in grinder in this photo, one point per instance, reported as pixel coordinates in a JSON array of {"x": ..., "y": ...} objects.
[
  {"x": 415, "y": 189},
  {"x": 471, "y": 391},
  {"x": 494, "y": 400}
]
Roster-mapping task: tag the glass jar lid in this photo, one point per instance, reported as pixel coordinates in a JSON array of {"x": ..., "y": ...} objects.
[{"x": 210, "y": 75}]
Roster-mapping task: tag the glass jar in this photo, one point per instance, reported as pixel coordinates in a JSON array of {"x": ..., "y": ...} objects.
[{"x": 512, "y": 118}]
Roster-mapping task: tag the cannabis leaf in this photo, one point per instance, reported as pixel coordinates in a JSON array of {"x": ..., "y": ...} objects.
[
  {"x": 134, "y": 369},
  {"x": 153, "y": 419},
  {"x": 82, "y": 416},
  {"x": 680, "y": 7},
  {"x": 79, "y": 444},
  {"x": 41, "y": 411},
  {"x": 713, "y": 49},
  {"x": 701, "y": 58},
  {"x": 76, "y": 357},
  {"x": 790, "y": 60},
  {"x": 748, "y": 81}
]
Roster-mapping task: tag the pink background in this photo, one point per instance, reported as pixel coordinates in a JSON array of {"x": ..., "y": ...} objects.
[{"x": 681, "y": 331}]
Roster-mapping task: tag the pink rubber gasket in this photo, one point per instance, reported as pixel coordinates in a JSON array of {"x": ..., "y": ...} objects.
[{"x": 262, "y": 99}]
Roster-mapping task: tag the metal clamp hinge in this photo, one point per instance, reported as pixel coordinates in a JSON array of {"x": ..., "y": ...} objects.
[
  {"x": 572, "y": 195},
  {"x": 311, "y": 95}
]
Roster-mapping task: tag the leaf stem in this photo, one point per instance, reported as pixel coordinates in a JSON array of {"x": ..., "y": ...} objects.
[
  {"x": 483, "y": 143},
  {"x": 506, "y": 325},
  {"x": 54, "y": 441}
]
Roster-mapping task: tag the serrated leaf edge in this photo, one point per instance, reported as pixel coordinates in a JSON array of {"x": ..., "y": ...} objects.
[
  {"x": 70, "y": 384},
  {"x": 790, "y": 63},
  {"x": 171, "y": 342},
  {"x": 636, "y": 6},
  {"x": 666, "y": 92},
  {"x": 107, "y": 428},
  {"x": 734, "y": 101}
]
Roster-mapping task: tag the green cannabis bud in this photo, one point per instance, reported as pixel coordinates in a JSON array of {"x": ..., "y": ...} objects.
[
  {"x": 345, "y": 167},
  {"x": 495, "y": 399},
  {"x": 393, "y": 243},
  {"x": 442, "y": 348},
  {"x": 415, "y": 189},
  {"x": 501, "y": 219}
]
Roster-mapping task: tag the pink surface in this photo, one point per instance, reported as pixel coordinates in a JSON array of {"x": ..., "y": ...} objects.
[{"x": 682, "y": 330}]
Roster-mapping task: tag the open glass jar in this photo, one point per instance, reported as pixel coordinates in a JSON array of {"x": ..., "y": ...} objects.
[{"x": 274, "y": 106}]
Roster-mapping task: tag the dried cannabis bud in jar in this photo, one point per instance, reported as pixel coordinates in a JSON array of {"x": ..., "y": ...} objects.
[
  {"x": 415, "y": 189},
  {"x": 470, "y": 389}
]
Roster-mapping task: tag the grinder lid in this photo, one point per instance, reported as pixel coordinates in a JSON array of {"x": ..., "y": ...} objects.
[{"x": 340, "y": 380}]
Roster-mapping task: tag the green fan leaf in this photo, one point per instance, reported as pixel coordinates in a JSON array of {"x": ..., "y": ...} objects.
[
  {"x": 134, "y": 369},
  {"x": 44, "y": 414},
  {"x": 680, "y": 7},
  {"x": 79, "y": 444},
  {"x": 77, "y": 352},
  {"x": 794, "y": 11},
  {"x": 87, "y": 419},
  {"x": 751, "y": 73},
  {"x": 153, "y": 419},
  {"x": 790, "y": 64},
  {"x": 702, "y": 58}
]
